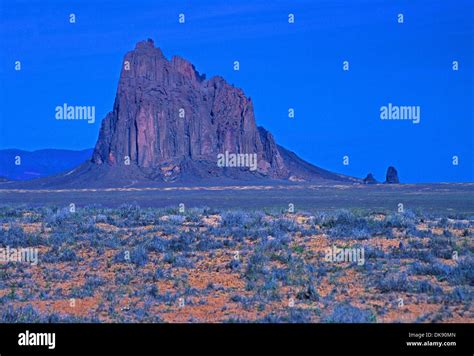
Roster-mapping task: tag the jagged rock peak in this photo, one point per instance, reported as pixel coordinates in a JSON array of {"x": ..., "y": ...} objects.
[
  {"x": 149, "y": 43},
  {"x": 165, "y": 113}
]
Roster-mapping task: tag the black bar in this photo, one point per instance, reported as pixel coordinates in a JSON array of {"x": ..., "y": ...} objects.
[{"x": 315, "y": 339}]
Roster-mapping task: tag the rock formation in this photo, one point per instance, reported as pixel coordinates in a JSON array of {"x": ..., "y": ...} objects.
[
  {"x": 172, "y": 123},
  {"x": 392, "y": 176},
  {"x": 370, "y": 179}
]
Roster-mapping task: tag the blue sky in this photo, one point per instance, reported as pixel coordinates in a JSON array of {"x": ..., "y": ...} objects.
[{"x": 281, "y": 66}]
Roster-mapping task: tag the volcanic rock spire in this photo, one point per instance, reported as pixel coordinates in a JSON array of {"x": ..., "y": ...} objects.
[
  {"x": 166, "y": 115},
  {"x": 169, "y": 123}
]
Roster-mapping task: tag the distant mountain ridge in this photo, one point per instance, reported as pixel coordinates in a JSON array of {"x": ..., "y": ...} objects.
[{"x": 39, "y": 163}]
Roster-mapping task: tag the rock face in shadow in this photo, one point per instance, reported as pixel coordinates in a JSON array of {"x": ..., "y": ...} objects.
[{"x": 392, "y": 176}]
